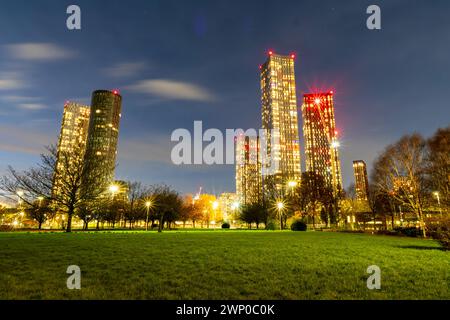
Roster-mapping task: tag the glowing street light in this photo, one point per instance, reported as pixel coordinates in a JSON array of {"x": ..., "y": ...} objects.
[
  {"x": 113, "y": 188},
  {"x": 436, "y": 194},
  {"x": 148, "y": 204},
  {"x": 40, "y": 200},
  {"x": 292, "y": 184},
  {"x": 280, "y": 207}
]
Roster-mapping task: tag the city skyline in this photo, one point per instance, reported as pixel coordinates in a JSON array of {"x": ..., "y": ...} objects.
[{"x": 223, "y": 94}]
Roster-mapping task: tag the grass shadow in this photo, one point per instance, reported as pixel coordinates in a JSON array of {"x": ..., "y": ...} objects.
[{"x": 420, "y": 247}]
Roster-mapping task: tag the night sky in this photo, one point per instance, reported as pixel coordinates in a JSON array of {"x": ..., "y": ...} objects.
[{"x": 179, "y": 61}]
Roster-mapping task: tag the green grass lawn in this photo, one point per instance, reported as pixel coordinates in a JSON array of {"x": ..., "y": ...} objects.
[{"x": 221, "y": 265}]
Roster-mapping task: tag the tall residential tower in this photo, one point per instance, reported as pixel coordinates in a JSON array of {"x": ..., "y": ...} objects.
[
  {"x": 279, "y": 116},
  {"x": 72, "y": 142},
  {"x": 101, "y": 149},
  {"x": 248, "y": 169},
  {"x": 361, "y": 181},
  {"x": 321, "y": 138}
]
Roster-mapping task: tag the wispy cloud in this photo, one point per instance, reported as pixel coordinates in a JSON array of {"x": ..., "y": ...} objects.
[
  {"x": 24, "y": 140},
  {"x": 32, "y": 106},
  {"x": 174, "y": 90},
  {"x": 154, "y": 149},
  {"x": 25, "y": 102},
  {"x": 10, "y": 81},
  {"x": 38, "y": 51},
  {"x": 126, "y": 69}
]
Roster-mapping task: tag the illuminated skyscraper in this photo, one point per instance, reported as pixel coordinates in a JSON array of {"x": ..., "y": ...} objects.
[
  {"x": 101, "y": 149},
  {"x": 321, "y": 138},
  {"x": 361, "y": 181},
  {"x": 279, "y": 113},
  {"x": 228, "y": 206},
  {"x": 248, "y": 170},
  {"x": 72, "y": 140}
]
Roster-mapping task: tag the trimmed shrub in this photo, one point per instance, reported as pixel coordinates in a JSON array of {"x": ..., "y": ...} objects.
[
  {"x": 408, "y": 231},
  {"x": 225, "y": 225},
  {"x": 271, "y": 225},
  {"x": 298, "y": 226},
  {"x": 439, "y": 229},
  {"x": 6, "y": 228}
]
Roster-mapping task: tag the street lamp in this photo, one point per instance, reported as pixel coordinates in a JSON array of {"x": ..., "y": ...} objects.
[
  {"x": 113, "y": 189},
  {"x": 215, "y": 205},
  {"x": 436, "y": 194},
  {"x": 280, "y": 206},
  {"x": 147, "y": 205},
  {"x": 40, "y": 200},
  {"x": 292, "y": 184},
  {"x": 20, "y": 194}
]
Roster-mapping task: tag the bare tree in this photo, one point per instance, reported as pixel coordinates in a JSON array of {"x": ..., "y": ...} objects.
[
  {"x": 439, "y": 166},
  {"x": 400, "y": 172},
  {"x": 63, "y": 178},
  {"x": 135, "y": 204}
]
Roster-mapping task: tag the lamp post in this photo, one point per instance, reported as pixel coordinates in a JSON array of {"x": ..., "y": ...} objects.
[
  {"x": 114, "y": 189},
  {"x": 147, "y": 205},
  {"x": 215, "y": 205},
  {"x": 280, "y": 206},
  {"x": 436, "y": 194}
]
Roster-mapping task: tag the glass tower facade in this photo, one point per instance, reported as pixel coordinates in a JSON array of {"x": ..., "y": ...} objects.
[
  {"x": 361, "y": 180},
  {"x": 103, "y": 133},
  {"x": 280, "y": 117},
  {"x": 248, "y": 169},
  {"x": 321, "y": 138},
  {"x": 72, "y": 140}
]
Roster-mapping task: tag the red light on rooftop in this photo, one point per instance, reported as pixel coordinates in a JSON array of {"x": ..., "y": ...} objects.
[
  {"x": 331, "y": 92},
  {"x": 116, "y": 92},
  {"x": 260, "y": 67},
  {"x": 293, "y": 56},
  {"x": 270, "y": 52}
]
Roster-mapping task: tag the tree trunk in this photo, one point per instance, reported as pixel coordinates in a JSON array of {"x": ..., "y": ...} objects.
[
  {"x": 69, "y": 220},
  {"x": 161, "y": 221},
  {"x": 40, "y": 225}
]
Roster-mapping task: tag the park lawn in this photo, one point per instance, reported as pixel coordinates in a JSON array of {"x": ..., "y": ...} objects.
[{"x": 221, "y": 265}]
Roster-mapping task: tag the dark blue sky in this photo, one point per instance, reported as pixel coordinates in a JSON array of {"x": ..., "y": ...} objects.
[{"x": 179, "y": 61}]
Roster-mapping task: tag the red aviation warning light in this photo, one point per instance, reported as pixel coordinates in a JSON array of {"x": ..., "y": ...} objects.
[
  {"x": 115, "y": 92},
  {"x": 270, "y": 52},
  {"x": 331, "y": 92},
  {"x": 292, "y": 55}
]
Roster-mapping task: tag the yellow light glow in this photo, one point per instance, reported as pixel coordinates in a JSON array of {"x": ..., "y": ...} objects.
[
  {"x": 113, "y": 188},
  {"x": 280, "y": 205},
  {"x": 292, "y": 184}
]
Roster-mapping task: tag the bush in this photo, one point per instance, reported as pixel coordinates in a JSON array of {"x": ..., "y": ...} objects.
[
  {"x": 298, "y": 226},
  {"x": 271, "y": 225},
  {"x": 225, "y": 225},
  {"x": 6, "y": 228},
  {"x": 439, "y": 229},
  {"x": 408, "y": 231}
]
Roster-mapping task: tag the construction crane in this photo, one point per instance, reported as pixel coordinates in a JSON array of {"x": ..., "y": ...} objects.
[{"x": 198, "y": 194}]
